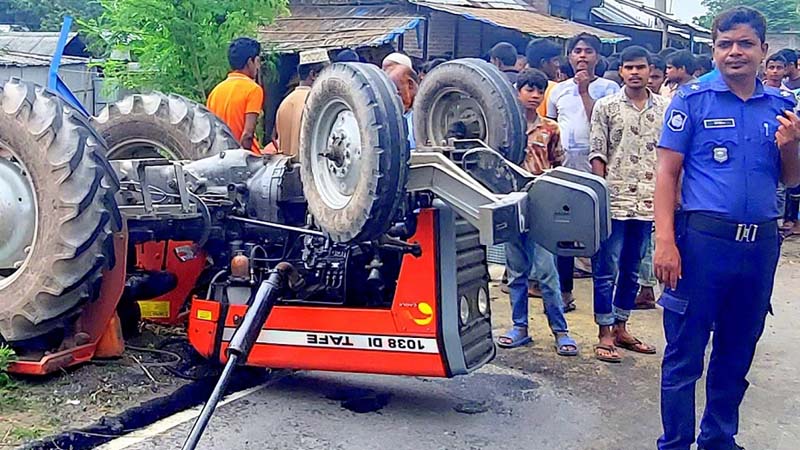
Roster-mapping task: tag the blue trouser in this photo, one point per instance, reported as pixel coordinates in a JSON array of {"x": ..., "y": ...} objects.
[
  {"x": 726, "y": 284},
  {"x": 647, "y": 277},
  {"x": 522, "y": 255},
  {"x": 616, "y": 265}
]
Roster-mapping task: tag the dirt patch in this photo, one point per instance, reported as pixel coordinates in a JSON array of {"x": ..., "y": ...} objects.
[{"x": 78, "y": 397}]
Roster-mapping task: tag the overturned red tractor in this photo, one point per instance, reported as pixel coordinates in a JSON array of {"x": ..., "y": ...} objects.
[{"x": 360, "y": 255}]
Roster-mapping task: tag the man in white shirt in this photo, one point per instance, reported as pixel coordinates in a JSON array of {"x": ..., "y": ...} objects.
[{"x": 571, "y": 103}]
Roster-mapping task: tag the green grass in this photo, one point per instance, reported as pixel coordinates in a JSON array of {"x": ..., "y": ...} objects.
[
  {"x": 7, "y": 356},
  {"x": 27, "y": 434}
]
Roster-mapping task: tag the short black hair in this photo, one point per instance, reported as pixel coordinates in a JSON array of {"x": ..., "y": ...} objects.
[
  {"x": 740, "y": 15},
  {"x": 703, "y": 62},
  {"x": 789, "y": 55},
  {"x": 683, "y": 58},
  {"x": 666, "y": 52},
  {"x": 635, "y": 52},
  {"x": 505, "y": 52},
  {"x": 777, "y": 57},
  {"x": 540, "y": 51},
  {"x": 658, "y": 62},
  {"x": 590, "y": 39},
  {"x": 347, "y": 55},
  {"x": 305, "y": 70},
  {"x": 534, "y": 78},
  {"x": 241, "y": 50},
  {"x": 427, "y": 66},
  {"x": 566, "y": 67},
  {"x": 613, "y": 63}
]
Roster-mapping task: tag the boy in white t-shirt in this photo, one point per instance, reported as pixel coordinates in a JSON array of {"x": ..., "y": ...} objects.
[{"x": 571, "y": 103}]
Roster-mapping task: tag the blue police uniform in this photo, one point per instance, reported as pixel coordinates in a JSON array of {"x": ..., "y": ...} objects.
[{"x": 727, "y": 235}]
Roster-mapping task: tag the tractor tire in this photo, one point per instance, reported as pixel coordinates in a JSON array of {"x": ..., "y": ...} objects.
[
  {"x": 76, "y": 214},
  {"x": 478, "y": 94},
  {"x": 354, "y": 152},
  {"x": 177, "y": 127}
]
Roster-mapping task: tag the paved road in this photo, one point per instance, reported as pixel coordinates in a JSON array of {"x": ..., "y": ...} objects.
[{"x": 527, "y": 398}]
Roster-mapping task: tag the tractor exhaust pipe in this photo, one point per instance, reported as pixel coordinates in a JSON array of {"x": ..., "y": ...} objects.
[{"x": 242, "y": 342}]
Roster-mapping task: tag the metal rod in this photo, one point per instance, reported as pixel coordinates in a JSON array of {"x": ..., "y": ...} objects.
[
  {"x": 211, "y": 405},
  {"x": 279, "y": 226}
]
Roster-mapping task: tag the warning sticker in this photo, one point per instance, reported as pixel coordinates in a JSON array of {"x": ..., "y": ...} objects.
[{"x": 152, "y": 309}]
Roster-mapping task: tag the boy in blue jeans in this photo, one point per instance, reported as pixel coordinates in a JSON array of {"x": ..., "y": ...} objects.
[{"x": 523, "y": 255}]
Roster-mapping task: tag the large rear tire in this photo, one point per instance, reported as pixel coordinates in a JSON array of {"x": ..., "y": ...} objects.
[
  {"x": 156, "y": 124},
  {"x": 353, "y": 152},
  {"x": 73, "y": 188},
  {"x": 477, "y": 94}
]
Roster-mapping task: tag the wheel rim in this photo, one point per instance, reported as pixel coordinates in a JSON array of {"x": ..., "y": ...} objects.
[
  {"x": 140, "y": 148},
  {"x": 450, "y": 106},
  {"x": 336, "y": 157},
  {"x": 18, "y": 215}
]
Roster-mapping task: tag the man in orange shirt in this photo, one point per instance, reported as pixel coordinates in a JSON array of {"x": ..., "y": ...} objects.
[
  {"x": 546, "y": 56},
  {"x": 239, "y": 100}
]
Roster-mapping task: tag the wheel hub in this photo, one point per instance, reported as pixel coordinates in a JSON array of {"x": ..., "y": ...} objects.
[
  {"x": 337, "y": 166},
  {"x": 453, "y": 106},
  {"x": 17, "y": 214}
]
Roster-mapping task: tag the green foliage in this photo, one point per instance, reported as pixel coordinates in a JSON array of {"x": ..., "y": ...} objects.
[
  {"x": 180, "y": 46},
  {"x": 782, "y": 15},
  {"x": 48, "y": 15},
  {"x": 7, "y": 356}
]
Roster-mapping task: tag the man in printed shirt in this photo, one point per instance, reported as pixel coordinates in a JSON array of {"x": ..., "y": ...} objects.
[
  {"x": 523, "y": 255},
  {"x": 625, "y": 131}
]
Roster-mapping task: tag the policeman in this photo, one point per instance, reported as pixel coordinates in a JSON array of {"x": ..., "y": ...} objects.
[{"x": 733, "y": 138}]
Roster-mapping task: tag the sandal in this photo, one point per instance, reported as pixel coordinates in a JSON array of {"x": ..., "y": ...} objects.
[
  {"x": 610, "y": 349},
  {"x": 636, "y": 346},
  {"x": 515, "y": 337},
  {"x": 565, "y": 345}
]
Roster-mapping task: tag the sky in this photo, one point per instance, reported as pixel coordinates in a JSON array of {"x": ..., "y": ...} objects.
[{"x": 686, "y": 9}]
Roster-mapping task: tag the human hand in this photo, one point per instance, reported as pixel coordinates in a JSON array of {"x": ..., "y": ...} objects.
[
  {"x": 788, "y": 134},
  {"x": 583, "y": 79},
  {"x": 667, "y": 264}
]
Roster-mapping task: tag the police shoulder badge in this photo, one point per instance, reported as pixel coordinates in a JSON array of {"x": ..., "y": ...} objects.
[{"x": 677, "y": 120}]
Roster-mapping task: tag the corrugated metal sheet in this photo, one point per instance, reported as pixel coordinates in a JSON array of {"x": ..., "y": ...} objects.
[
  {"x": 496, "y": 4},
  {"x": 335, "y": 27},
  {"x": 529, "y": 22},
  {"x": 34, "y": 43},
  {"x": 23, "y": 59}
]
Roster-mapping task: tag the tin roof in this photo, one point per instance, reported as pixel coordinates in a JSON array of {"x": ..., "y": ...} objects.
[
  {"x": 336, "y": 27},
  {"x": 35, "y": 43},
  {"x": 23, "y": 59},
  {"x": 526, "y": 21}
]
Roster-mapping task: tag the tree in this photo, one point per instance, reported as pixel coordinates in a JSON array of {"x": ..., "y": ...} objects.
[
  {"x": 180, "y": 46},
  {"x": 48, "y": 15},
  {"x": 782, "y": 15}
]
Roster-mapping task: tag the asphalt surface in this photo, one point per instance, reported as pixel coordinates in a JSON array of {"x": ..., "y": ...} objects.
[{"x": 527, "y": 398}]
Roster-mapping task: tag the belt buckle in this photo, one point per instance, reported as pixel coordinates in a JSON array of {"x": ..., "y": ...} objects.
[{"x": 746, "y": 232}]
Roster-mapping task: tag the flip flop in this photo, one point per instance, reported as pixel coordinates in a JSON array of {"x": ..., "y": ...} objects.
[
  {"x": 515, "y": 337},
  {"x": 608, "y": 359},
  {"x": 637, "y": 346},
  {"x": 569, "y": 307},
  {"x": 564, "y": 340}
]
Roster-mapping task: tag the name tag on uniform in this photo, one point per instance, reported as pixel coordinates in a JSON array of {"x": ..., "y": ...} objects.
[{"x": 710, "y": 124}]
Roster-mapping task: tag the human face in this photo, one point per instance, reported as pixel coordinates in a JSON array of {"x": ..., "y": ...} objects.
[
  {"x": 635, "y": 74},
  {"x": 775, "y": 73},
  {"x": 739, "y": 52},
  {"x": 531, "y": 97},
  {"x": 676, "y": 74},
  {"x": 253, "y": 66},
  {"x": 583, "y": 57},
  {"x": 551, "y": 67},
  {"x": 656, "y": 79}
]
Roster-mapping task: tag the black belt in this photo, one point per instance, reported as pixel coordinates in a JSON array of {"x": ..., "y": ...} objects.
[{"x": 738, "y": 232}]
